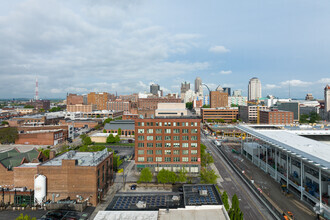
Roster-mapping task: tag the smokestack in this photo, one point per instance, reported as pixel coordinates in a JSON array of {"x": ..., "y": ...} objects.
[{"x": 37, "y": 91}]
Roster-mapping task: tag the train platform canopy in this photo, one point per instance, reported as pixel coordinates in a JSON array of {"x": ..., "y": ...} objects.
[{"x": 314, "y": 152}]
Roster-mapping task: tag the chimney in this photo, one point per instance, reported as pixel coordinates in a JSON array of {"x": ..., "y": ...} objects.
[{"x": 52, "y": 154}]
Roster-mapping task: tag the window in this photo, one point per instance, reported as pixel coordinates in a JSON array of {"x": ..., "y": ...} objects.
[
  {"x": 150, "y": 145},
  {"x": 168, "y": 131},
  {"x": 159, "y": 145},
  {"x": 194, "y": 159},
  {"x": 187, "y": 124},
  {"x": 174, "y": 123},
  {"x": 142, "y": 123},
  {"x": 185, "y": 152},
  {"x": 167, "y": 159},
  {"x": 150, "y": 152},
  {"x": 151, "y": 123},
  {"x": 159, "y": 152},
  {"x": 150, "y": 138},
  {"x": 149, "y": 159},
  {"x": 176, "y": 152},
  {"x": 140, "y": 159},
  {"x": 158, "y": 138},
  {"x": 192, "y": 124},
  {"x": 158, "y": 131},
  {"x": 185, "y": 138},
  {"x": 167, "y": 138},
  {"x": 185, "y": 145},
  {"x": 140, "y": 144},
  {"x": 194, "y": 138},
  {"x": 148, "y": 123},
  {"x": 185, "y": 131},
  {"x": 167, "y": 144},
  {"x": 140, "y": 131},
  {"x": 140, "y": 151},
  {"x": 185, "y": 159},
  {"x": 194, "y": 131},
  {"x": 176, "y": 145},
  {"x": 165, "y": 123},
  {"x": 176, "y": 159},
  {"x": 167, "y": 151},
  {"x": 158, "y": 159},
  {"x": 178, "y": 124},
  {"x": 141, "y": 138},
  {"x": 139, "y": 123},
  {"x": 176, "y": 131},
  {"x": 193, "y": 145},
  {"x": 193, "y": 151},
  {"x": 160, "y": 124},
  {"x": 150, "y": 131},
  {"x": 176, "y": 138},
  {"x": 157, "y": 124}
]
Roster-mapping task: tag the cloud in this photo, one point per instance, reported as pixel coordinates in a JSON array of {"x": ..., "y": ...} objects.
[
  {"x": 324, "y": 81},
  {"x": 219, "y": 49},
  {"x": 225, "y": 72},
  {"x": 271, "y": 86},
  {"x": 296, "y": 83}
]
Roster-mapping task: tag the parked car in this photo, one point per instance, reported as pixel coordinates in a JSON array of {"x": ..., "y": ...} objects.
[{"x": 133, "y": 187}]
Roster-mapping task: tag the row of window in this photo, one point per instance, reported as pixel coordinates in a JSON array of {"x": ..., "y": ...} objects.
[
  {"x": 167, "y": 131},
  {"x": 160, "y": 152},
  {"x": 167, "y": 138},
  {"x": 167, "y": 145},
  {"x": 168, "y": 124},
  {"x": 167, "y": 159}
]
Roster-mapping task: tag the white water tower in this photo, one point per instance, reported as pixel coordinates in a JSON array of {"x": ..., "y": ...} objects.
[{"x": 39, "y": 189}]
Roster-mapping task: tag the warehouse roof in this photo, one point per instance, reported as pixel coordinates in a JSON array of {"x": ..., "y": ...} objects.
[
  {"x": 14, "y": 158},
  {"x": 122, "y": 124}
]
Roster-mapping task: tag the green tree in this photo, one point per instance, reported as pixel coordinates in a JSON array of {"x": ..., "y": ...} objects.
[
  {"x": 104, "y": 131},
  {"x": 206, "y": 106},
  {"x": 108, "y": 120},
  {"x": 119, "y": 131},
  {"x": 87, "y": 141},
  {"x": 4, "y": 123},
  {"x": 166, "y": 176},
  {"x": 303, "y": 118},
  {"x": 208, "y": 176},
  {"x": 206, "y": 158},
  {"x": 146, "y": 175},
  {"x": 8, "y": 135},
  {"x": 28, "y": 106},
  {"x": 116, "y": 161},
  {"x": 314, "y": 117},
  {"x": 98, "y": 116},
  {"x": 117, "y": 139},
  {"x": 111, "y": 139},
  {"x": 224, "y": 198},
  {"x": 234, "y": 120},
  {"x": 26, "y": 217},
  {"x": 209, "y": 120},
  {"x": 182, "y": 176},
  {"x": 235, "y": 212},
  {"x": 55, "y": 109},
  {"x": 44, "y": 152},
  {"x": 189, "y": 105}
]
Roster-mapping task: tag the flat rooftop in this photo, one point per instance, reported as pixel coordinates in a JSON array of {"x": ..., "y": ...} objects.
[
  {"x": 313, "y": 151},
  {"x": 201, "y": 194},
  {"x": 83, "y": 158},
  {"x": 127, "y": 215}
]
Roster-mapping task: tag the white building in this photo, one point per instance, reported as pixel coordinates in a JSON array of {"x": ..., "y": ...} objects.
[
  {"x": 198, "y": 86},
  {"x": 254, "y": 89},
  {"x": 327, "y": 98},
  {"x": 188, "y": 96},
  {"x": 237, "y": 92},
  {"x": 237, "y": 100},
  {"x": 171, "y": 109}
]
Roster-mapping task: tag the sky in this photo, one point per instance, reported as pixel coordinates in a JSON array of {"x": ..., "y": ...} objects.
[{"x": 123, "y": 46}]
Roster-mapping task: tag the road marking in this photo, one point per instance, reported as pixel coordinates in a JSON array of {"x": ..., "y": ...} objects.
[
  {"x": 248, "y": 196},
  {"x": 228, "y": 179}
]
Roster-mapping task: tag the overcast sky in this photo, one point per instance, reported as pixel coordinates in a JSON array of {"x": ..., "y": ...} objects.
[{"x": 81, "y": 46}]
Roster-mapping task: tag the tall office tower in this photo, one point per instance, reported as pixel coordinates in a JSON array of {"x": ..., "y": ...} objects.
[
  {"x": 198, "y": 85},
  {"x": 227, "y": 90},
  {"x": 327, "y": 98},
  {"x": 185, "y": 87},
  {"x": 254, "y": 89},
  {"x": 154, "y": 88},
  {"x": 237, "y": 92}
]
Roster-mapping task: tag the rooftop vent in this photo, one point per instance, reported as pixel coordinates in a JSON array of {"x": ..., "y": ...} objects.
[
  {"x": 203, "y": 192},
  {"x": 141, "y": 204}
]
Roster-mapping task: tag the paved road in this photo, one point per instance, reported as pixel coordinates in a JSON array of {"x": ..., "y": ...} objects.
[{"x": 232, "y": 184}]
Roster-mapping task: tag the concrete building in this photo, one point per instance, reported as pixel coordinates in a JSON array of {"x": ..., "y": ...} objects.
[
  {"x": 74, "y": 99},
  {"x": 154, "y": 88},
  {"x": 206, "y": 100},
  {"x": 127, "y": 127},
  {"x": 168, "y": 143},
  {"x": 327, "y": 98},
  {"x": 237, "y": 92},
  {"x": 25, "y": 111},
  {"x": 254, "y": 89},
  {"x": 98, "y": 99},
  {"x": 249, "y": 114},
  {"x": 199, "y": 86},
  {"x": 227, "y": 114},
  {"x": 147, "y": 106},
  {"x": 81, "y": 108},
  {"x": 237, "y": 100},
  {"x": 188, "y": 96},
  {"x": 185, "y": 87},
  {"x": 119, "y": 105},
  {"x": 171, "y": 109},
  {"x": 218, "y": 99},
  {"x": 309, "y": 97},
  {"x": 79, "y": 174},
  {"x": 291, "y": 107},
  {"x": 276, "y": 117}
]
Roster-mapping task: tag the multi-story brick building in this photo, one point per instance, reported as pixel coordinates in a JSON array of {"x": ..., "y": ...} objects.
[
  {"x": 40, "y": 104},
  {"x": 99, "y": 99},
  {"x": 119, "y": 105},
  {"x": 81, "y": 108},
  {"x": 218, "y": 99},
  {"x": 147, "y": 106},
  {"x": 168, "y": 143},
  {"x": 249, "y": 114},
  {"x": 41, "y": 137},
  {"x": 74, "y": 99},
  {"x": 130, "y": 116},
  {"x": 226, "y": 114},
  {"x": 276, "y": 117}
]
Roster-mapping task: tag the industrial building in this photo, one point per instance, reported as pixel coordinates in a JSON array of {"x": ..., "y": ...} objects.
[
  {"x": 292, "y": 159},
  {"x": 227, "y": 114},
  {"x": 276, "y": 117},
  {"x": 127, "y": 127}
]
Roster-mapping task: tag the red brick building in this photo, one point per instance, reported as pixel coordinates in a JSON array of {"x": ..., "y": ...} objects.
[
  {"x": 147, "y": 106},
  {"x": 218, "y": 99},
  {"x": 276, "y": 117},
  {"x": 130, "y": 116},
  {"x": 119, "y": 105},
  {"x": 81, "y": 108},
  {"x": 74, "y": 99},
  {"x": 98, "y": 99},
  {"x": 41, "y": 137},
  {"x": 169, "y": 143},
  {"x": 226, "y": 114}
]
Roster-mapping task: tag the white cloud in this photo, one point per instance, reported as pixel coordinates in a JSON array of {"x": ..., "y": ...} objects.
[
  {"x": 225, "y": 72},
  {"x": 219, "y": 49},
  {"x": 324, "y": 81},
  {"x": 296, "y": 83},
  {"x": 271, "y": 86}
]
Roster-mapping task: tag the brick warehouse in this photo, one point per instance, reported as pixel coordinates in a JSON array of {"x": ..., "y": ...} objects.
[{"x": 170, "y": 143}]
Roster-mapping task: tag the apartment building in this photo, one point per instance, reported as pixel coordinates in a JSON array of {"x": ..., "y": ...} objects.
[
  {"x": 276, "y": 117},
  {"x": 98, "y": 99},
  {"x": 169, "y": 143},
  {"x": 81, "y": 108},
  {"x": 218, "y": 99},
  {"x": 249, "y": 114},
  {"x": 226, "y": 114}
]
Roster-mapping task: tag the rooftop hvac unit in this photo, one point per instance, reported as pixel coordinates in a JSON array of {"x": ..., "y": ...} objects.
[
  {"x": 203, "y": 192},
  {"x": 176, "y": 198},
  {"x": 141, "y": 204}
]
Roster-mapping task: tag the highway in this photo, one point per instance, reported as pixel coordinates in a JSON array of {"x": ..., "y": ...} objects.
[{"x": 232, "y": 184}]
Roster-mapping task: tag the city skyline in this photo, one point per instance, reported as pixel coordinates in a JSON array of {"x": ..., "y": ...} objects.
[{"x": 123, "y": 47}]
